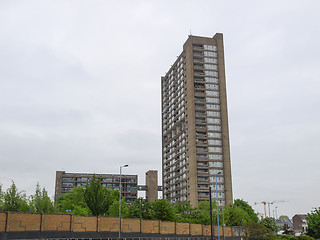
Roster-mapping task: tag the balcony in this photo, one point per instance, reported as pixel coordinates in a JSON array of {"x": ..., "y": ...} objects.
[
  {"x": 201, "y": 141},
  {"x": 201, "y": 134},
  {"x": 202, "y": 165},
  {"x": 199, "y": 92},
  {"x": 201, "y": 127},
  {"x": 201, "y": 120},
  {"x": 200, "y": 99},
  {"x": 198, "y": 59}
]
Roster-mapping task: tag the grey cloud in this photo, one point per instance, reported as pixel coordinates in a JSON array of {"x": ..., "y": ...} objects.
[{"x": 80, "y": 90}]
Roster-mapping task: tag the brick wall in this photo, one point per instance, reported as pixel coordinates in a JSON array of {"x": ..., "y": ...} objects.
[
  {"x": 195, "y": 229},
  {"x": 150, "y": 226},
  {"x": 206, "y": 230},
  {"x": 56, "y": 222},
  {"x": 215, "y": 230},
  {"x": 3, "y": 219},
  {"x": 84, "y": 224},
  {"x": 130, "y": 225},
  {"x": 228, "y": 231},
  {"x": 108, "y": 224},
  {"x": 167, "y": 228},
  {"x": 17, "y": 222},
  {"x": 27, "y": 222},
  {"x": 182, "y": 228}
]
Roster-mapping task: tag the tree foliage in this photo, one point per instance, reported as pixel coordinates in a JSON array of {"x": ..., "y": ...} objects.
[
  {"x": 114, "y": 208},
  {"x": 256, "y": 230},
  {"x": 235, "y": 216},
  {"x": 183, "y": 211},
  {"x": 201, "y": 214},
  {"x": 163, "y": 210},
  {"x": 99, "y": 201},
  {"x": 269, "y": 223},
  {"x": 1, "y": 198},
  {"x": 140, "y": 209},
  {"x": 313, "y": 220},
  {"x": 287, "y": 230},
  {"x": 15, "y": 201},
  {"x": 40, "y": 201},
  {"x": 96, "y": 197},
  {"x": 73, "y": 202},
  {"x": 246, "y": 207}
]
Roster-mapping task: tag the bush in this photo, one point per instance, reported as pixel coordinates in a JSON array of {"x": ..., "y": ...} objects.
[{"x": 288, "y": 237}]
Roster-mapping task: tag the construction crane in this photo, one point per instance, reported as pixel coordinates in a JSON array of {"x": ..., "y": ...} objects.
[
  {"x": 276, "y": 201},
  {"x": 265, "y": 205}
]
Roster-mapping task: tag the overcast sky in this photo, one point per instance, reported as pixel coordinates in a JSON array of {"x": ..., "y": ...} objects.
[{"x": 80, "y": 90}]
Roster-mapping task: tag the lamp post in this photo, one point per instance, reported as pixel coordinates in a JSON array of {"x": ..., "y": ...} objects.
[
  {"x": 224, "y": 235},
  {"x": 217, "y": 204},
  {"x": 211, "y": 235},
  {"x": 126, "y": 165}
]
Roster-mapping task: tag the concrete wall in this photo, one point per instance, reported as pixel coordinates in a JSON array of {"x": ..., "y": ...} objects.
[{"x": 32, "y": 222}]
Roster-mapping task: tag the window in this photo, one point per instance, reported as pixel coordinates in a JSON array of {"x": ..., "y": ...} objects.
[
  {"x": 213, "y": 106},
  {"x": 212, "y": 93},
  {"x": 215, "y": 156},
  {"x": 210, "y": 66},
  {"x": 209, "y": 73},
  {"x": 214, "y": 134},
  {"x": 210, "y": 60},
  {"x": 214, "y": 142},
  {"x": 68, "y": 184},
  {"x": 212, "y": 86},
  {"x": 210, "y": 54},
  {"x": 210, "y": 47},
  {"x": 214, "y": 128},
  {"x": 215, "y": 171},
  {"x": 67, "y": 179},
  {"x": 215, "y": 149},
  {"x": 215, "y": 164},
  {"x": 211, "y": 79},
  {"x": 212, "y": 100},
  {"x": 213, "y": 120},
  {"x": 212, "y": 114}
]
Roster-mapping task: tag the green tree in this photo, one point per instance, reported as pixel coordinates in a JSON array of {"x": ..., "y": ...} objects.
[
  {"x": 140, "y": 209},
  {"x": 246, "y": 207},
  {"x": 163, "y": 210},
  {"x": 256, "y": 230},
  {"x": 96, "y": 197},
  {"x": 40, "y": 201},
  {"x": 269, "y": 223},
  {"x": 183, "y": 211},
  {"x": 1, "y": 198},
  {"x": 287, "y": 230},
  {"x": 235, "y": 216},
  {"x": 114, "y": 208},
  {"x": 313, "y": 220},
  {"x": 283, "y": 217},
  {"x": 201, "y": 214},
  {"x": 74, "y": 202},
  {"x": 15, "y": 201}
]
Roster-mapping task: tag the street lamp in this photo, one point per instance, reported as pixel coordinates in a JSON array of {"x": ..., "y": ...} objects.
[
  {"x": 126, "y": 165},
  {"x": 211, "y": 235},
  {"x": 217, "y": 203}
]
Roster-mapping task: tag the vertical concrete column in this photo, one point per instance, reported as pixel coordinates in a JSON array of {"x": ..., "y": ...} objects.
[{"x": 152, "y": 185}]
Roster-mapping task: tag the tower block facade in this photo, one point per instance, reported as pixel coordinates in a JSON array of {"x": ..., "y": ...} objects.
[{"x": 195, "y": 132}]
